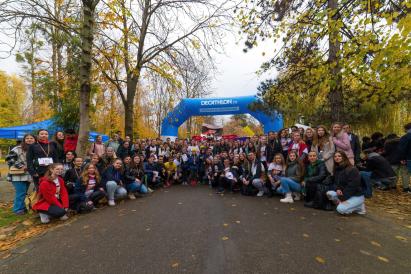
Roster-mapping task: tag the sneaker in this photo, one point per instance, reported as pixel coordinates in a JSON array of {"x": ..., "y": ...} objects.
[
  {"x": 131, "y": 196},
  {"x": 260, "y": 193},
  {"x": 111, "y": 203},
  {"x": 288, "y": 199},
  {"x": 64, "y": 218},
  {"x": 44, "y": 218},
  {"x": 297, "y": 196},
  {"x": 362, "y": 211},
  {"x": 407, "y": 190}
]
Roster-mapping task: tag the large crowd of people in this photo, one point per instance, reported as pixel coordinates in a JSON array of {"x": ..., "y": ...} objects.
[{"x": 327, "y": 169}]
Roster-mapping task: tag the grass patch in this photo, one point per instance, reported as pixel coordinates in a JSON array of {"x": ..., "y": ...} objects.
[{"x": 7, "y": 217}]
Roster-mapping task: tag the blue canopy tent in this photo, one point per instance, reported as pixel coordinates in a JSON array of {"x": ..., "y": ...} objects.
[{"x": 17, "y": 132}]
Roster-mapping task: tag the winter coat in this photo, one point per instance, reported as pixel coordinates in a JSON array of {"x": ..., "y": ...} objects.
[
  {"x": 294, "y": 171},
  {"x": 273, "y": 147},
  {"x": 316, "y": 172},
  {"x": 21, "y": 158},
  {"x": 80, "y": 189},
  {"x": 348, "y": 180},
  {"x": 391, "y": 151},
  {"x": 47, "y": 191},
  {"x": 342, "y": 143},
  {"x": 111, "y": 174},
  {"x": 405, "y": 147},
  {"x": 40, "y": 150},
  {"x": 70, "y": 143},
  {"x": 326, "y": 153},
  {"x": 98, "y": 149},
  {"x": 379, "y": 166},
  {"x": 355, "y": 146}
]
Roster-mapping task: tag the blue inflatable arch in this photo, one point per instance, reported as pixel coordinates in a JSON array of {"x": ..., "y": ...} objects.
[{"x": 217, "y": 106}]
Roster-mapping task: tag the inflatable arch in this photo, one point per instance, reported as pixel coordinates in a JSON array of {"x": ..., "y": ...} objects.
[{"x": 217, "y": 106}]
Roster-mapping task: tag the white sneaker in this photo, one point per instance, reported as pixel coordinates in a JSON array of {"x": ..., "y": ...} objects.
[
  {"x": 64, "y": 218},
  {"x": 260, "y": 193},
  {"x": 131, "y": 196},
  {"x": 111, "y": 203},
  {"x": 362, "y": 211},
  {"x": 288, "y": 199},
  {"x": 44, "y": 218},
  {"x": 297, "y": 196}
]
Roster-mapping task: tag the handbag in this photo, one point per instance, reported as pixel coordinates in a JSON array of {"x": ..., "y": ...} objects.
[{"x": 16, "y": 171}]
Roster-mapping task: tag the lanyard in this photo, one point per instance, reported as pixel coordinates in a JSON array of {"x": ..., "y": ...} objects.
[{"x": 48, "y": 149}]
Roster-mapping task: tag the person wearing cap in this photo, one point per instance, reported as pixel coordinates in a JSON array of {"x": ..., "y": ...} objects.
[{"x": 378, "y": 171}]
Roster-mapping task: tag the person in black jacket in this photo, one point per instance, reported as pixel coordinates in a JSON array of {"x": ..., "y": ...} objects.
[
  {"x": 355, "y": 143},
  {"x": 348, "y": 196},
  {"x": 40, "y": 156},
  {"x": 405, "y": 157},
  {"x": 315, "y": 174},
  {"x": 273, "y": 146},
  {"x": 88, "y": 186},
  {"x": 113, "y": 182},
  {"x": 124, "y": 150},
  {"x": 132, "y": 178},
  {"x": 378, "y": 171},
  {"x": 255, "y": 176}
]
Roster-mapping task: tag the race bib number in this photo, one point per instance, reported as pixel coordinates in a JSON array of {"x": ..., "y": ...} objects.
[{"x": 45, "y": 161}]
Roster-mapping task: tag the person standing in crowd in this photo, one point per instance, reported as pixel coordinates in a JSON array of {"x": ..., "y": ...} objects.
[
  {"x": 40, "y": 155},
  {"x": 113, "y": 182},
  {"x": 348, "y": 196},
  {"x": 262, "y": 151},
  {"x": 114, "y": 142},
  {"x": 70, "y": 140},
  {"x": 310, "y": 137},
  {"x": 18, "y": 174},
  {"x": 378, "y": 171},
  {"x": 285, "y": 142},
  {"x": 98, "y": 147},
  {"x": 54, "y": 200},
  {"x": 342, "y": 142},
  {"x": 298, "y": 145},
  {"x": 58, "y": 138},
  {"x": 124, "y": 150},
  {"x": 405, "y": 157},
  {"x": 325, "y": 148},
  {"x": 290, "y": 183},
  {"x": 355, "y": 143}
]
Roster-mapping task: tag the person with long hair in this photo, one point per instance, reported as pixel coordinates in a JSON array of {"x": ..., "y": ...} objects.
[
  {"x": 98, "y": 147},
  {"x": 18, "y": 174},
  {"x": 298, "y": 145},
  {"x": 68, "y": 162},
  {"x": 54, "y": 200},
  {"x": 89, "y": 187},
  {"x": 325, "y": 148},
  {"x": 40, "y": 155},
  {"x": 285, "y": 141},
  {"x": 290, "y": 183},
  {"x": 275, "y": 170},
  {"x": 113, "y": 182},
  {"x": 310, "y": 137},
  {"x": 342, "y": 141},
  {"x": 133, "y": 176},
  {"x": 59, "y": 138},
  {"x": 349, "y": 196}
]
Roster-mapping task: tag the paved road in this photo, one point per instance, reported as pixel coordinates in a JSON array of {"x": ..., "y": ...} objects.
[{"x": 193, "y": 230}]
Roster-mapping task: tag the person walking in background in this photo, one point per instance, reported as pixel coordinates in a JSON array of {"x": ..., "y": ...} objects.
[
  {"x": 355, "y": 143},
  {"x": 18, "y": 174}
]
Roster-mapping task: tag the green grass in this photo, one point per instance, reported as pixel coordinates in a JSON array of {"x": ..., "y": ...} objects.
[{"x": 7, "y": 217}]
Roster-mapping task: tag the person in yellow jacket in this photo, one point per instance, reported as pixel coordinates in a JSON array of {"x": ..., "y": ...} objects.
[{"x": 171, "y": 171}]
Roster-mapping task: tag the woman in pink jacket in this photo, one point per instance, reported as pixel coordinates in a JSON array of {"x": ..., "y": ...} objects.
[{"x": 342, "y": 141}]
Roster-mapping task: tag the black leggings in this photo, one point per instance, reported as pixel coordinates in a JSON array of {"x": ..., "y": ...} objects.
[{"x": 54, "y": 211}]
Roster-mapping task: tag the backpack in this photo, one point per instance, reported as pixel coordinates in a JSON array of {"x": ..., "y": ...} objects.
[{"x": 31, "y": 199}]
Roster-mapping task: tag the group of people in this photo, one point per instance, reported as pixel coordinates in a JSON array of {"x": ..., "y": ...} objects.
[{"x": 328, "y": 169}]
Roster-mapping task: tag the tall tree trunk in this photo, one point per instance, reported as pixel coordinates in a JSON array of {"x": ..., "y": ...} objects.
[
  {"x": 129, "y": 105},
  {"x": 86, "y": 36},
  {"x": 335, "y": 96}
]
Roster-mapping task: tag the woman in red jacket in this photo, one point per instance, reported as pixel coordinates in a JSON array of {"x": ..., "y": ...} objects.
[{"x": 54, "y": 200}]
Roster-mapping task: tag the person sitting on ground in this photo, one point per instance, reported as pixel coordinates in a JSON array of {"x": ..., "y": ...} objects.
[
  {"x": 89, "y": 188},
  {"x": 113, "y": 182},
  {"x": 131, "y": 182},
  {"x": 404, "y": 149},
  {"x": 290, "y": 183},
  {"x": 193, "y": 163},
  {"x": 152, "y": 172},
  {"x": 215, "y": 172},
  {"x": 348, "y": 195},
  {"x": 378, "y": 171},
  {"x": 70, "y": 179},
  {"x": 315, "y": 174},
  {"x": 171, "y": 172},
  {"x": 54, "y": 200},
  {"x": 275, "y": 171},
  {"x": 137, "y": 170},
  {"x": 227, "y": 178},
  {"x": 255, "y": 176}
]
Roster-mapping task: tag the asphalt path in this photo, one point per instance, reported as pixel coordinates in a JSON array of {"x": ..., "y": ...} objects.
[{"x": 193, "y": 230}]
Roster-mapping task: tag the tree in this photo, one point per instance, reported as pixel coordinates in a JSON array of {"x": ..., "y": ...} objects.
[
  {"x": 337, "y": 60},
  {"x": 12, "y": 94}
]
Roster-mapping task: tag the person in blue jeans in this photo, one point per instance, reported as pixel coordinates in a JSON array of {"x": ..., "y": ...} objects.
[
  {"x": 18, "y": 174},
  {"x": 348, "y": 195},
  {"x": 132, "y": 183},
  {"x": 293, "y": 175}
]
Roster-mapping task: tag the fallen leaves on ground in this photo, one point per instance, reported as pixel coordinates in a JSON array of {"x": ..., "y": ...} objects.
[
  {"x": 337, "y": 240},
  {"x": 306, "y": 235},
  {"x": 365, "y": 252},
  {"x": 320, "y": 260},
  {"x": 375, "y": 243},
  {"x": 225, "y": 238},
  {"x": 237, "y": 222},
  {"x": 401, "y": 238},
  {"x": 225, "y": 225},
  {"x": 174, "y": 265},
  {"x": 383, "y": 259}
]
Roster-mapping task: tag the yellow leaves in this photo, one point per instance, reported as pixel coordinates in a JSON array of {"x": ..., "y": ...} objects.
[
  {"x": 401, "y": 238},
  {"x": 320, "y": 260},
  {"x": 224, "y": 238},
  {"x": 174, "y": 265},
  {"x": 385, "y": 260},
  {"x": 225, "y": 225},
  {"x": 306, "y": 235},
  {"x": 375, "y": 243}
]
